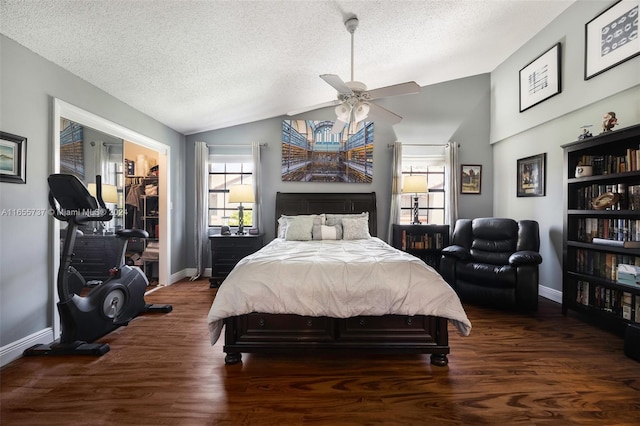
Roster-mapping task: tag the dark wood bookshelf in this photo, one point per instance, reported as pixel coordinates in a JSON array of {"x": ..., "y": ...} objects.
[
  {"x": 423, "y": 241},
  {"x": 590, "y": 280}
]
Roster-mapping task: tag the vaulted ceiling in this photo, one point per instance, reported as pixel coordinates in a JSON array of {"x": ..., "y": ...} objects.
[{"x": 198, "y": 65}]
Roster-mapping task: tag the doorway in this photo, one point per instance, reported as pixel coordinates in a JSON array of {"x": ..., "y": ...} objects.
[{"x": 64, "y": 110}]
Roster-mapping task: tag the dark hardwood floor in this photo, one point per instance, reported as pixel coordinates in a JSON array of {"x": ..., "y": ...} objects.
[{"x": 532, "y": 369}]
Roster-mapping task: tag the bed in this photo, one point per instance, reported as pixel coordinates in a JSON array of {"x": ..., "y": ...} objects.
[{"x": 356, "y": 294}]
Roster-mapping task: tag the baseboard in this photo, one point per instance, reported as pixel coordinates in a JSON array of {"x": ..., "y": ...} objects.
[
  {"x": 180, "y": 275},
  {"x": 14, "y": 350},
  {"x": 189, "y": 272},
  {"x": 550, "y": 293}
]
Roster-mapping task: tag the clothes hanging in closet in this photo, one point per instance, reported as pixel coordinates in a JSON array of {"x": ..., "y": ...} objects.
[{"x": 133, "y": 204}]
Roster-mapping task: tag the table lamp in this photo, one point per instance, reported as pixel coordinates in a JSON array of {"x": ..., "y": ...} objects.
[
  {"x": 109, "y": 192},
  {"x": 415, "y": 184},
  {"x": 241, "y": 194}
]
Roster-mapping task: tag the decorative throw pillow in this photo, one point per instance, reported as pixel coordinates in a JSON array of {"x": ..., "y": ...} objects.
[
  {"x": 336, "y": 219},
  {"x": 355, "y": 229},
  {"x": 284, "y": 220},
  {"x": 299, "y": 228},
  {"x": 326, "y": 232}
]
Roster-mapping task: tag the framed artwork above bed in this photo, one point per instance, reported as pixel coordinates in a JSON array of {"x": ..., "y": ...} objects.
[{"x": 311, "y": 153}]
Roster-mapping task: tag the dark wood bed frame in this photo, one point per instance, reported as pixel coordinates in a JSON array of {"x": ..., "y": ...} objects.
[{"x": 285, "y": 333}]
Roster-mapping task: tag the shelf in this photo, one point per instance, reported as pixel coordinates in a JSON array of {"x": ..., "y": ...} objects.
[
  {"x": 603, "y": 247},
  {"x": 605, "y": 178},
  {"x": 590, "y": 270},
  {"x": 433, "y": 237},
  {"x": 606, "y": 213},
  {"x": 603, "y": 281}
]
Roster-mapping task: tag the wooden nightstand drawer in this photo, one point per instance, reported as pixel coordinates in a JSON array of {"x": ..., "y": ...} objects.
[
  {"x": 237, "y": 243},
  {"x": 228, "y": 250}
]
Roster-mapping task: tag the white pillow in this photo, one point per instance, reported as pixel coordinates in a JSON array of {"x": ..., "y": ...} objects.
[
  {"x": 325, "y": 232},
  {"x": 299, "y": 229},
  {"x": 355, "y": 229},
  {"x": 284, "y": 220},
  {"x": 336, "y": 219}
]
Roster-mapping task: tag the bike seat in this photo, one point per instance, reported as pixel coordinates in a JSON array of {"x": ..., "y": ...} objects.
[{"x": 132, "y": 233}]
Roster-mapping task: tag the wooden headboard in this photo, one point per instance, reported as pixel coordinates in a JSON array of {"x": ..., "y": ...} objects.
[{"x": 294, "y": 203}]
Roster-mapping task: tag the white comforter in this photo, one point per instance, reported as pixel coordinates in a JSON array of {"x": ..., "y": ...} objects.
[{"x": 338, "y": 279}]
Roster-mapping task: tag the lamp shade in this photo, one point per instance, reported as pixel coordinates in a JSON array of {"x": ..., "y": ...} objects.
[
  {"x": 361, "y": 111},
  {"x": 241, "y": 194},
  {"x": 109, "y": 192},
  {"x": 415, "y": 184},
  {"x": 342, "y": 112}
]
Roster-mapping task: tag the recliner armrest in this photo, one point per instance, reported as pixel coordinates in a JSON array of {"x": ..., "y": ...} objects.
[
  {"x": 458, "y": 252},
  {"x": 526, "y": 257}
]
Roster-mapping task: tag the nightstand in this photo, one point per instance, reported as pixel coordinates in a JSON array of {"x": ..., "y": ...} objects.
[
  {"x": 226, "y": 252},
  {"x": 423, "y": 241}
]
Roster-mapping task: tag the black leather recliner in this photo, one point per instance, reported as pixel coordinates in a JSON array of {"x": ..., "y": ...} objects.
[{"x": 494, "y": 261}]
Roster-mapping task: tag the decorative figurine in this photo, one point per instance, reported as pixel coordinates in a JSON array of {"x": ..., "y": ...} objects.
[
  {"x": 586, "y": 133},
  {"x": 609, "y": 120}
]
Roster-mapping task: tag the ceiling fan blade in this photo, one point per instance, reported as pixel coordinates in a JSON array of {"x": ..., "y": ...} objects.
[
  {"x": 376, "y": 111},
  {"x": 314, "y": 107},
  {"x": 408, "y": 88},
  {"x": 337, "y": 127},
  {"x": 337, "y": 83}
]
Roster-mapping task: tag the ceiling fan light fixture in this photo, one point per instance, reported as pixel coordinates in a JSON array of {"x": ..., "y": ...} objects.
[
  {"x": 361, "y": 111},
  {"x": 342, "y": 112}
]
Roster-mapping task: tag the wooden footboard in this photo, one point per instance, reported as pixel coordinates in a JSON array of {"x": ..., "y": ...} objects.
[{"x": 397, "y": 334}]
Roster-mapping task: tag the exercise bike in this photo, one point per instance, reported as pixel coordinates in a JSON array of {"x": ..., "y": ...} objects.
[{"x": 107, "y": 304}]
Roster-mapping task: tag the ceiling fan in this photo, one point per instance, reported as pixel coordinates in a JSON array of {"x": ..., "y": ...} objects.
[{"x": 354, "y": 100}]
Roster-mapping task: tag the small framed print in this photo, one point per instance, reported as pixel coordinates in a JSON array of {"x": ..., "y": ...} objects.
[
  {"x": 540, "y": 80},
  {"x": 611, "y": 38},
  {"x": 13, "y": 158},
  {"x": 531, "y": 176},
  {"x": 470, "y": 178}
]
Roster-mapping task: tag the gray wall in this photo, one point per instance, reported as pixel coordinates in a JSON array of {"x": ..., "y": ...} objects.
[
  {"x": 452, "y": 111},
  {"x": 28, "y": 84},
  {"x": 554, "y": 122}
]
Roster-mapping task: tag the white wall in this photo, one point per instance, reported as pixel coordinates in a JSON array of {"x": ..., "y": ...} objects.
[{"x": 554, "y": 122}]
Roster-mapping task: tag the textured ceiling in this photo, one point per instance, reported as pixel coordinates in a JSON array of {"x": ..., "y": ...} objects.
[{"x": 199, "y": 65}]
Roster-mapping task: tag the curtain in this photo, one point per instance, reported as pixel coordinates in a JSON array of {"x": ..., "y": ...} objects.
[
  {"x": 201, "y": 209},
  {"x": 100, "y": 158},
  {"x": 451, "y": 184},
  {"x": 396, "y": 189},
  {"x": 257, "y": 178}
]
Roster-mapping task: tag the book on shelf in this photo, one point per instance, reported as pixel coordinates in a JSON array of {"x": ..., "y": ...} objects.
[
  {"x": 582, "y": 291},
  {"x": 616, "y": 243},
  {"x": 627, "y": 299}
]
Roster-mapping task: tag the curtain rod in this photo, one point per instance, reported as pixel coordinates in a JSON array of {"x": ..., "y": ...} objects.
[
  {"x": 104, "y": 143},
  {"x": 243, "y": 144},
  {"x": 420, "y": 144}
]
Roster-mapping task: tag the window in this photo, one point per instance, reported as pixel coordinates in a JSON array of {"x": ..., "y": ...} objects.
[
  {"x": 224, "y": 172},
  {"x": 428, "y": 161}
]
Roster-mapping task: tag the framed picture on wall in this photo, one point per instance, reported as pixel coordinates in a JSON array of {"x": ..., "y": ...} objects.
[
  {"x": 531, "y": 176},
  {"x": 540, "y": 79},
  {"x": 611, "y": 38},
  {"x": 470, "y": 178},
  {"x": 13, "y": 158}
]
